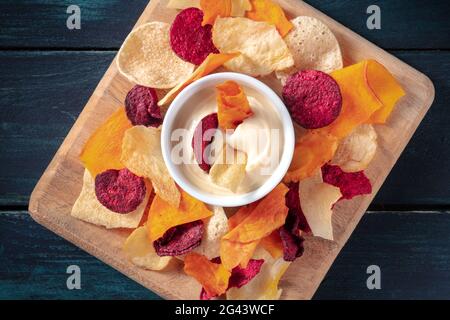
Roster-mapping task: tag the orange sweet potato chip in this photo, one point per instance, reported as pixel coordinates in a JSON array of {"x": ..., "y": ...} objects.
[
  {"x": 233, "y": 106},
  {"x": 272, "y": 244},
  {"x": 211, "y": 63},
  {"x": 241, "y": 214},
  {"x": 238, "y": 245},
  {"x": 266, "y": 10},
  {"x": 312, "y": 151},
  {"x": 212, "y": 276},
  {"x": 163, "y": 216},
  {"x": 102, "y": 151},
  {"x": 213, "y": 9},
  {"x": 385, "y": 87}
]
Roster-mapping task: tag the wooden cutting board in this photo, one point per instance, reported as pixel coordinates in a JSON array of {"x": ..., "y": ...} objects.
[{"x": 59, "y": 186}]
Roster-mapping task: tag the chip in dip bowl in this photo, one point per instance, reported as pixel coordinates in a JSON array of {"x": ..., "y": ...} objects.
[{"x": 267, "y": 139}]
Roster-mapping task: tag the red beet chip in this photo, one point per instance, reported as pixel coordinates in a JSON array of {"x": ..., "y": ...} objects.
[
  {"x": 313, "y": 98},
  {"x": 120, "y": 191},
  {"x": 188, "y": 39},
  {"x": 180, "y": 239},
  {"x": 295, "y": 219},
  {"x": 239, "y": 276},
  {"x": 292, "y": 244},
  {"x": 351, "y": 184},
  {"x": 203, "y": 136},
  {"x": 141, "y": 105}
]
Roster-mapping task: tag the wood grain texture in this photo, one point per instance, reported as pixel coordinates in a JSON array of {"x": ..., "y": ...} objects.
[
  {"x": 413, "y": 266},
  {"x": 70, "y": 78},
  {"x": 54, "y": 195},
  {"x": 105, "y": 23}
]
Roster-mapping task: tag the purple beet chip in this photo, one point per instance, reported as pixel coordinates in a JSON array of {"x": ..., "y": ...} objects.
[
  {"x": 120, "y": 191},
  {"x": 203, "y": 136},
  {"x": 141, "y": 105},
  {"x": 180, "y": 239},
  {"x": 295, "y": 219},
  {"x": 292, "y": 244}
]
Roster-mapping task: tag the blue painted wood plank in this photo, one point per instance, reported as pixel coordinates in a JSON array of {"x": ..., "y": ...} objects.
[
  {"x": 412, "y": 250},
  {"x": 105, "y": 23},
  {"x": 43, "y": 93}
]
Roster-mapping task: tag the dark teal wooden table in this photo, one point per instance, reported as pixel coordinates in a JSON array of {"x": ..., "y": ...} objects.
[{"x": 48, "y": 72}]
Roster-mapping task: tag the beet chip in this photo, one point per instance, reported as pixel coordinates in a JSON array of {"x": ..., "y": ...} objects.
[
  {"x": 203, "y": 136},
  {"x": 188, "y": 39},
  {"x": 313, "y": 98},
  {"x": 239, "y": 276},
  {"x": 119, "y": 190},
  {"x": 180, "y": 239},
  {"x": 351, "y": 184},
  {"x": 292, "y": 244},
  {"x": 142, "y": 108}
]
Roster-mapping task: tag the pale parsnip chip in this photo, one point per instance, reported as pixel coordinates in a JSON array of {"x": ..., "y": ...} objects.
[
  {"x": 183, "y": 4},
  {"x": 146, "y": 58},
  {"x": 356, "y": 151},
  {"x": 214, "y": 229},
  {"x": 142, "y": 155},
  {"x": 313, "y": 46},
  {"x": 261, "y": 46},
  {"x": 141, "y": 253},
  {"x": 228, "y": 170},
  {"x": 316, "y": 200},
  {"x": 264, "y": 286},
  {"x": 89, "y": 209},
  {"x": 239, "y": 7}
]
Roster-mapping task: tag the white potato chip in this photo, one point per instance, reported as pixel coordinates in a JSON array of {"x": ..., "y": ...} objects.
[
  {"x": 261, "y": 46},
  {"x": 313, "y": 46},
  {"x": 146, "y": 58},
  {"x": 183, "y": 4},
  {"x": 89, "y": 209},
  {"x": 264, "y": 286},
  {"x": 214, "y": 230},
  {"x": 356, "y": 151},
  {"x": 316, "y": 200},
  {"x": 142, "y": 155},
  {"x": 141, "y": 253},
  {"x": 239, "y": 7},
  {"x": 228, "y": 169}
]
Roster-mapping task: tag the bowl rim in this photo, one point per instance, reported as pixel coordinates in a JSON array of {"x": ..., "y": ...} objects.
[{"x": 234, "y": 200}]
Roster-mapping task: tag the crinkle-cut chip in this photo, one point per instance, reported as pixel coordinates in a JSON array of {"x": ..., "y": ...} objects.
[
  {"x": 317, "y": 199},
  {"x": 163, "y": 216},
  {"x": 189, "y": 39},
  {"x": 141, "y": 105},
  {"x": 183, "y": 4},
  {"x": 385, "y": 87},
  {"x": 141, "y": 253},
  {"x": 226, "y": 172},
  {"x": 272, "y": 13},
  {"x": 238, "y": 245},
  {"x": 313, "y": 46},
  {"x": 211, "y": 63},
  {"x": 120, "y": 191},
  {"x": 272, "y": 244},
  {"x": 142, "y": 155},
  {"x": 356, "y": 151},
  {"x": 213, "y": 9},
  {"x": 215, "y": 228},
  {"x": 147, "y": 59},
  {"x": 102, "y": 151},
  {"x": 232, "y": 105},
  {"x": 351, "y": 184},
  {"x": 239, "y": 7},
  {"x": 203, "y": 136},
  {"x": 180, "y": 239},
  {"x": 359, "y": 101},
  {"x": 89, "y": 209},
  {"x": 264, "y": 286},
  {"x": 212, "y": 276},
  {"x": 261, "y": 46},
  {"x": 312, "y": 151}
]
